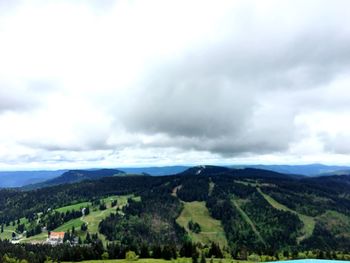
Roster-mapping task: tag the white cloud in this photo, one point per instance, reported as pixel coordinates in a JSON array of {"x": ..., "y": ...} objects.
[{"x": 108, "y": 83}]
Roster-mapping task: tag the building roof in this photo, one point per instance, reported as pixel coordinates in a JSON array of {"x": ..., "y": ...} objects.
[{"x": 57, "y": 235}]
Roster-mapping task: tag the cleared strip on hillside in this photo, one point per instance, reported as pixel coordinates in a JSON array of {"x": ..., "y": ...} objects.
[
  {"x": 308, "y": 221},
  {"x": 248, "y": 220},
  {"x": 211, "y": 229}
]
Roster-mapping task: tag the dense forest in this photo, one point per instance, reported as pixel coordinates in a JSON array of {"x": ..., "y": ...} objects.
[{"x": 261, "y": 213}]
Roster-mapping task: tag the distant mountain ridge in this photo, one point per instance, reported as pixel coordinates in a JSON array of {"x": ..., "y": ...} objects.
[
  {"x": 307, "y": 169},
  {"x": 9, "y": 179},
  {"x": 12, "y": 179},
  {"x": 254, "y": 173},
  {"x": 75, "y": 176},
  {"x": 155, "y": 171}
]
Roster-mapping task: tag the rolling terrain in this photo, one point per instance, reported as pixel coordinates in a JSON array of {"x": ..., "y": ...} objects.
[
  {"x": 75, "y": 176},
  {"x": 242, "y": 211}
]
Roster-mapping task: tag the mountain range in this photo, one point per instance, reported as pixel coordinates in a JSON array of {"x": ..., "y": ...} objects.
[
  {"x": 24, "y": 178},
  {"x": 243, "y": 211}
]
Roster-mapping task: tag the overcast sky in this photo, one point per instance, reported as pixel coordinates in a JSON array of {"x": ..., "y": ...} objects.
[{"x": 135, "y": 83}]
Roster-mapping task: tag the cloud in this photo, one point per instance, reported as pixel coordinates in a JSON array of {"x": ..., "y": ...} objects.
[
  {"x": 156, "y": 82},
  {"x": 242, "y": 93}
]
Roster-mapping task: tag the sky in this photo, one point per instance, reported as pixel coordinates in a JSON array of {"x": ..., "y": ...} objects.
[{"x": 151, "y": 83}]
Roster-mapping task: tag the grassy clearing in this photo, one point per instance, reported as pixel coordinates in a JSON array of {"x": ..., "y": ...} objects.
[
  {"x": 308, "y": 221},
  {"x": 36, "y": 239},
  {"x": 92, "y": 220},
  {"x": 211, "y": 229},
  {"x": 8, "y": 230},
  {"x": 96, "y": 216},
  {"x": 77, "y": 206},
  {"x": 152, "y": 260}
]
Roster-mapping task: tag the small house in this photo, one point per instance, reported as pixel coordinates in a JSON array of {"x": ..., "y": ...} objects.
[{"x": 55, "y": 238}]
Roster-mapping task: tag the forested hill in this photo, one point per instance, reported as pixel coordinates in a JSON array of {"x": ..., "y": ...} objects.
[
  {"x": 75, "y": 176},
  {"x": 252, "y": 210}
]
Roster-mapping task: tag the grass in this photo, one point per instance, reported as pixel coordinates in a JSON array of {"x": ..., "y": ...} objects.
[
  {"x": 77, "y": 206},
  {"x": 308, "y": 221},
  {"x": 36, "y": 239},
  {"x": 211, "y": 229},
  {"x": 152, "y": 260},
  {"x": 92, "y": 220},
  {"x": 8, "y": 230},
  {"x": 96, "y": 216}
]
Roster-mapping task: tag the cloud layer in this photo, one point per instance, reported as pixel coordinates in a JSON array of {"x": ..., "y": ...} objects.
[{"x": 134, "y": 83}]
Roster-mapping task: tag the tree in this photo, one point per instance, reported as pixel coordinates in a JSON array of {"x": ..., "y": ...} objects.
[
  {"x": 157, "y": 252},
  {"x": 203, "y": 258},
  {"x": 194, "y": 226},
  {"x": 114, "y": 203},
  {"x": 102, "y": 206},
  {"x": 215, "y": 251},
  {"x": 84, "y": 227},
  {"x": 144, "y": 253},
  {"x": 131, "y": 256},
  {"x": 105, "y": 255},
  {"x": 20, "y": 228},
  {"x": 88, "y": 238}
]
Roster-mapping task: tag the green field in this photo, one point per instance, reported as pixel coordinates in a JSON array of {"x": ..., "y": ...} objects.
[
  {"x": 77, "y": 206},
  {"x": 8, "y": 230},
  {"x": 152, "y": 260},
  {"x": 308, "y": 221},
  {"x": 211, "y": 229}
]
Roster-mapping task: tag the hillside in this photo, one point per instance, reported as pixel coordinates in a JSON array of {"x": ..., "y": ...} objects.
[
  {"x": 75, "y": 176},
  {"x": 244, "y": 211}
]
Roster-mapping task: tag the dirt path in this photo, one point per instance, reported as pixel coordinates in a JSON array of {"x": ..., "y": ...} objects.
[{"x": 174, "y": 192}]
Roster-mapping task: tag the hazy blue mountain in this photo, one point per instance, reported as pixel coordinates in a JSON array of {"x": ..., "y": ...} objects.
[
  {"x": 24, "y": 178},
  {"x": 156, "y": 171},
  {"x": 308, "y": 169},
  {"x": 21, "y": 178},
  {"x": 75, "y": 176}
]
